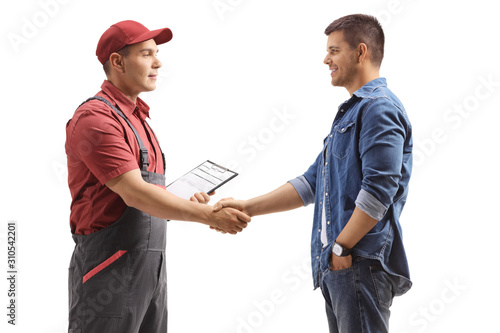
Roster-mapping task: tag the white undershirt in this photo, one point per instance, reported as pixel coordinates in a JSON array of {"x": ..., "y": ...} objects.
[{"x": 324, "y": 238}]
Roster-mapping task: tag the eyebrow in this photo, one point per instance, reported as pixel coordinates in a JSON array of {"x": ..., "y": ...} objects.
[
  {"x": 333, "y": 47},
  {"x": 149, "y": 50}
]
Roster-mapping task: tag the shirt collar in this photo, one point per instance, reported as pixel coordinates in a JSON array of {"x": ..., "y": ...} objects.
[
  {"x": 124, "y": 104},
  {"x": 368, "y": 88}
]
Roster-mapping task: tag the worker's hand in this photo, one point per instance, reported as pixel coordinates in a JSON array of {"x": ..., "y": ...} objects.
[
  {"x": 229, "y": 220},
  {"x": 201, "y": 197},
  {"x": 229, "y": 203}
]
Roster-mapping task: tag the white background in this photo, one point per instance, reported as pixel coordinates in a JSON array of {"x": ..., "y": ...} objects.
[{"x": 229, "y": 70}]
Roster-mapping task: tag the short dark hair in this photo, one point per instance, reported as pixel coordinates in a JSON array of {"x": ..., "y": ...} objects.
[
  {"x": 361, "y": 28},
  {"x": 124, "y": 51}
]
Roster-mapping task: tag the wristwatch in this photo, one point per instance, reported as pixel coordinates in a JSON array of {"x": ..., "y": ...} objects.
[{"x": 340, "y": 251}]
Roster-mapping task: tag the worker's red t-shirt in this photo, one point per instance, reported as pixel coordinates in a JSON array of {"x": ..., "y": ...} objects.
[{"x": 101, "y": 146}]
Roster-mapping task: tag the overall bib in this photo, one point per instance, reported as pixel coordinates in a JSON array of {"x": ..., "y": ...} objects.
[{"x": 117, "y": 275}]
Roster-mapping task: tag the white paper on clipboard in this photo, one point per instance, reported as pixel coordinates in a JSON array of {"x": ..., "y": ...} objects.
[{"x": 206, "y": 177}]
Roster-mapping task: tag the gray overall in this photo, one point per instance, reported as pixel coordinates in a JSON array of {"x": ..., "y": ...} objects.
[{"x": 117, "y": 275}]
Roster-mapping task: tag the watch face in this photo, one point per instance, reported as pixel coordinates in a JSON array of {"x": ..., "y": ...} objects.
[{"x": 337, "y": 249}]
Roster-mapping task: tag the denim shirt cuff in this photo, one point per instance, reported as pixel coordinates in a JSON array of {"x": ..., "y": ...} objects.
[
  {"x": 370, "y": 205},
  {"x": 304, "y": 189}
]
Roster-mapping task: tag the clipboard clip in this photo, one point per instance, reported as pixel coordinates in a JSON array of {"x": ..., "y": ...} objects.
[{"x": 218, "y": 168}]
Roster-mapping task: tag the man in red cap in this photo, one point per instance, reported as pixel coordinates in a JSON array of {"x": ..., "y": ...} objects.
[{"x": 117, "y": 278}]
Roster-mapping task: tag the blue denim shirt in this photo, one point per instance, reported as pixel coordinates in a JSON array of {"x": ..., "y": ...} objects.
[{"x": 366, "y": 162}]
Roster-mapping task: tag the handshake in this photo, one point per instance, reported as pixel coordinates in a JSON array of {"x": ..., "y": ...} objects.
[
  {"x": 232, "y": 216},
  {"x": 227, "y": 215}
]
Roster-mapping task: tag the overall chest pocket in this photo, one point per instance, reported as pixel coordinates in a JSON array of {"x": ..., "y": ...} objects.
[{"x": 343, "y": 134}]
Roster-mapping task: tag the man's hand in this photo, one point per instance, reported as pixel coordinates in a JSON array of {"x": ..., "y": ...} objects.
[
  {"x": 338, "y": 263},
  {"x": 201, "y": 197},
  {"x": 240, "y": 205},
  {"x": 229, "y": 203},
  {"x": 229, "y": 220}
]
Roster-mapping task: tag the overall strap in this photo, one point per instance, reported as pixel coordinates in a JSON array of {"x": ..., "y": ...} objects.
[
  {"x": 144, "y": 151},
  {"x": 158, "y": 143}
]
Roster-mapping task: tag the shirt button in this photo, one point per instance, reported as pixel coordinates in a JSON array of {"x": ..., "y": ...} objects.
[
  {"x": 319, "y": 230},
  {"x": 321, "y": 202},
  {"x": 331, "y": 135},
  {"x": 317, "y": 257},
  {"x": 326, "y": 163},
  {"x": 326, "y": 194},
  {"x": 328, "y": 222},
  {"x": 343, "y": 130},
  {"x": 341, "y": 110}
]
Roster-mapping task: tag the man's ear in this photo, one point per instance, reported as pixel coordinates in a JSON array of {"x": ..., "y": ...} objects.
[
  {"x": 116, "y": 61},
  {"x": 362, "y": 52}
]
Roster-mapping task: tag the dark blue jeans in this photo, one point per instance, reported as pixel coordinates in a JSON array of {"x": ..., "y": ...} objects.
[{"x": 358, "y": 298}]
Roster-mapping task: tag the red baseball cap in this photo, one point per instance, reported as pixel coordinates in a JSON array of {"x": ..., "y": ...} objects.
[{"x": 126, "y": 33}]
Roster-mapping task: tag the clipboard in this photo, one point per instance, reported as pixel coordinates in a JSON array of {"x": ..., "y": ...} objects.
[{"x": 206, "y": 177}]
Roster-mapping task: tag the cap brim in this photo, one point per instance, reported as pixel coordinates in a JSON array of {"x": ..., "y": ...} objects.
[{"x": 160, "y": 36}]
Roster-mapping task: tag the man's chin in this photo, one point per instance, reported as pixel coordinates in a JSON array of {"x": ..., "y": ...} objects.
[{"x": 150, "y": 88}]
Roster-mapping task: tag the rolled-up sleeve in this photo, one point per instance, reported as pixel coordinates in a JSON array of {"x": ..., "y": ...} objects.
[
  {"x": 305, "y": 185},
  {"x": 382, "y": 138},
  {"x": 304, "y": 189},
  {"x": 370, "y": 205}
]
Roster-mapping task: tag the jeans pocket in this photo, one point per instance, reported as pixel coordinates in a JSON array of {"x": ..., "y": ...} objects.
[
  {"x": 342, "y": 139},
  {"x": 342, "y": 271},
  {"x": 105, "y": 286},
  {"x": 384, "y": 287}
]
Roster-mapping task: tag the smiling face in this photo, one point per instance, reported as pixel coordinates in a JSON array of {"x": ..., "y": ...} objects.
[
  {"x": 342, "y": 61},
  {"x": 139, "y": 69}
]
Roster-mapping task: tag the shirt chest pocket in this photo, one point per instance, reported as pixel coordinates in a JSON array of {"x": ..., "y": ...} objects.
[{"x": 343, "y": 134}]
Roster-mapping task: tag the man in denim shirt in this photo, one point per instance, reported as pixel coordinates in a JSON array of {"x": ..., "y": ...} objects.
[{"x": 359, "y": 185}]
